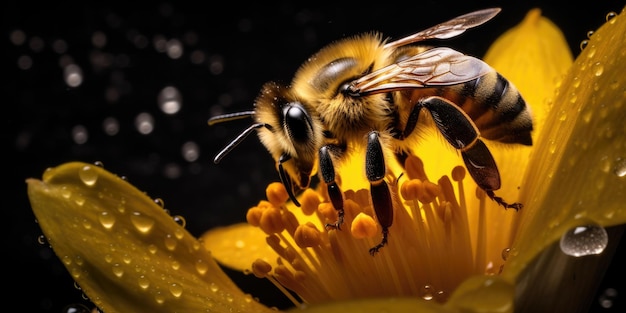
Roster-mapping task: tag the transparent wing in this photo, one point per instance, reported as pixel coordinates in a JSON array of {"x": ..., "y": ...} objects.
[
  {"x": 451, "y": 28},
  {"x": 434, "y": 67}
]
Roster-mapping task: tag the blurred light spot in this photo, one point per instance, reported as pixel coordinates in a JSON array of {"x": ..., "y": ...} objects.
[
  {"x": 144, "y": 122},
  {"x": 172, "y": 171},
  {"x": 190, "y": 151},
  {"x": 24, "y": 62},
  {"x": 174, "y": 48},
  {"x": 59, "y": 46},
  {"x": 23, "y": 139},
  {"x": 17, "y": 37},
  {"x": 139, "y": 41},
  {"x": 65, "y": 60},
  {"x": 111, "y": 126},
  {"x": 80, "y": 135},
  {"x": 216, "y": 64},
  {"x": 99, "y": 39},
  {"x": 100, "y": 60},
  {"x": 36, "y": 44},
  {"x": 245, "y": 25},
  {"x": 160, "y": 43},
  {"x": 73, "y": 75},
  {"x": 197, "y": 57},
  {"x": 169, "y": 100},
  {"x": 225, "y": 99},
  {"x": 112, "y": 94}
]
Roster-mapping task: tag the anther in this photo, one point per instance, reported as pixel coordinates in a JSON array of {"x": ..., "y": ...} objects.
[
  {"x": 276, "y": 194},
  {"x": 271, "y": 221},
  {"x": 363, "y": 226},
  {"x": 307, "y": 236}
]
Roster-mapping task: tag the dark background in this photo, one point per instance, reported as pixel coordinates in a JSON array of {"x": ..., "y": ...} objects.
[{"x": 228, "y": 53}]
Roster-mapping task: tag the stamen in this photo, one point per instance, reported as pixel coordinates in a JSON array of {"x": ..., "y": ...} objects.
[
  {"x": 363, "y": 226},
  {"x": 430, "y": 250},
  {"x": 276, "y": 194}
]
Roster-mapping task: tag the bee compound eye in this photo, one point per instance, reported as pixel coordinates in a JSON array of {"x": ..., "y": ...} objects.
[{"x": 298, "y": 123}]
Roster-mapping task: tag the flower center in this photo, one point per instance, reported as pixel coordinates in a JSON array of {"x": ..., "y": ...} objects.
[{"x": 430, "y": 250}]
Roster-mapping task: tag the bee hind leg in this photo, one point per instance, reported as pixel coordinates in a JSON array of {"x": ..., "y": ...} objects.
[
  {"x": 327, "y": 170},
  {"x": 465, "y": 137}
]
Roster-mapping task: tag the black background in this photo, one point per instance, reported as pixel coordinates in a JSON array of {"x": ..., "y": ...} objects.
[{"x": 255, "y": 43}]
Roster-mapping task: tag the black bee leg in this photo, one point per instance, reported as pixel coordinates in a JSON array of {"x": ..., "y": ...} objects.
[
  {"x": 461, "y": 132},
  {"x": 286, "y": 180},
  {"x": 327, "y": 170},
  {"x": 375, "y": 170},
  {"x": 482, "y": 167}
]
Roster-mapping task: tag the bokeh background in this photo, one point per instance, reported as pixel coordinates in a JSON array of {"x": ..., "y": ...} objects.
[{"x": 132, "y": 86}]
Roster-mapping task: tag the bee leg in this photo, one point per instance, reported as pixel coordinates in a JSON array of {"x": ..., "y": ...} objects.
[
  {"x": 482, "y": 167},
  {"x": 375, "y": 170},
  {"x": 286, "y": 179},
  {"x": 327, "y": 170},
  {"x": 464, "y": 136}
]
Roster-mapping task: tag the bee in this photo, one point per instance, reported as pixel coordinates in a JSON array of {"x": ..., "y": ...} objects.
[{"x": 366, "y": 91}]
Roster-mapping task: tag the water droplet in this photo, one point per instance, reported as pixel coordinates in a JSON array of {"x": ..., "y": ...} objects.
[
  {"x": 142, "y": 223},
  {"x": 159, "y": 298},
  {"x": 143, "y": 282},
  {"x": 620, "y": 167},
  {"x": 42, "y": 240},
  {"x": 201, "y": 267},
  {"x": 584, "y": 44},
  {"x": 176, "y": 290},
  {"x": 160, "y": 202},
  {"x": 175, "y": 265},
  {"x": 610, "y": 16},
  {"x": 427, "y": 293},
  {"x": 598, "y": 68},
  {"x": 180, "y": 220},
  {"x": 584, "y": 240},
  {"x": 76, "y": 308},
  {"x": 214, "y": 287},
  {"x": 505, "y": 253},
  {"x": 107, "y": 220},
  {"x": 117, "y": 270},
  {"x": 88, "y": 175},
  {"x": 170, "y": 242}
]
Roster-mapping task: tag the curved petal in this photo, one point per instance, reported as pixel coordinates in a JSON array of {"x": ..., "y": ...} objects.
[
  {"x": 237, "y": 246},
  {"x": 123, "y": 250},
  {"x": 576, "y": 175},
  {"x": 376, "y": 305}
]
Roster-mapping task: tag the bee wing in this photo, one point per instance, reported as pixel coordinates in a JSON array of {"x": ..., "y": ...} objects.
[
  {"x": 451, "y": 28},
  {"x": 435, "y": 67}
]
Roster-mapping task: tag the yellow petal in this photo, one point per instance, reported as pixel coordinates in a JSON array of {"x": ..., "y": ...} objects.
[
  {"x": 376, "y": 305},
  {"x": 123, "y": 250},
  {"x": 576, "y": 173},
  {"x": 238, "y": 246},
  {"x": 533, "y": 55}
]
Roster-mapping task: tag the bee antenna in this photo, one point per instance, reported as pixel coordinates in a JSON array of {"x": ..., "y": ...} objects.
[
  {"x": 236, "y": 141},
  {"x": 229, "y": 117}
]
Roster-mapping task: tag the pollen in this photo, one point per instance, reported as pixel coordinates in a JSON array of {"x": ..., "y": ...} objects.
[{"x": 434, "y": 242}]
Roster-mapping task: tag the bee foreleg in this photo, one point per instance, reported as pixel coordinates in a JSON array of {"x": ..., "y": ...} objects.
[
  {"x": 286, "y": 179},
  {"x": 375, "y": 170},
  {"x": 327, "y": 171},
  {"x": 461, "y": 132}
]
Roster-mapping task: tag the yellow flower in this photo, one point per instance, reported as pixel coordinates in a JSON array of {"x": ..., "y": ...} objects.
[{"x": 450, "y": 249}]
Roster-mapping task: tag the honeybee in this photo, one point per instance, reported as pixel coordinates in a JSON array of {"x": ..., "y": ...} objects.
[{"x": 370, "y": 92}]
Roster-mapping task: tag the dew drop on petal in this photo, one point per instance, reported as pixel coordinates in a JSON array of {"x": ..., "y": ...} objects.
[
  {"x": 584, "y": 240},
  {"x": 142, "y": 223},
  {"x": 176, "y": 290},
  {"x": 620, "y": 167},
  {"x": 143, "y": 282},
  {"x": 118, "y": 270},
  {"x": 88, "y": 175},
  {"x": 75, "y": 308},
  {"x": 107, "y": 220}
]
